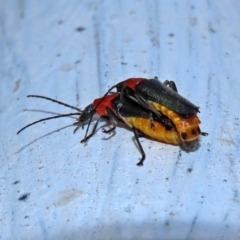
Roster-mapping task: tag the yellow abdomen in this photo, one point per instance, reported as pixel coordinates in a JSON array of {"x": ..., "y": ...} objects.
[{"x": 157, "y": 132}]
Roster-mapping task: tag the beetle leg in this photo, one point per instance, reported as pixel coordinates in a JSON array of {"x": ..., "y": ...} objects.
[
  {"x": 147, "y": 105},
  {"x": 122, "y": 93},
  {"x": 140, "y": 163},
  {"x": 130, "y": 96},
  {"x": 151, "y": 121},
  {"x": 171, "y": 84},
  {"x": 109, "y": 130},
  {"x": 77, "y": 127},
  {"x": 136, "y": 132},
  {"x": 202, "y": 133},
  {"x": 144, "y": 103},
  {"x": 113, "y": 120},
  {"x": 92, "y": 133}
]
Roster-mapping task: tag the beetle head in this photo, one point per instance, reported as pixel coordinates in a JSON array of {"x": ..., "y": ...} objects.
[{"x": 86, "y": 114}]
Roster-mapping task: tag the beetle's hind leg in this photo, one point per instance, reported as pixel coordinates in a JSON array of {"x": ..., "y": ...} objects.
[
  {"x": 171, "y": 84},
  {"x": 145, "y": 104},
  {"x": 140, "y": 163},
  {"x": 109, "y": 130}
]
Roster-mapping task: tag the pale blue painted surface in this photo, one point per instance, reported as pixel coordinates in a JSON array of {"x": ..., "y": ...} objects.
[{"x": 96, "y": 191}]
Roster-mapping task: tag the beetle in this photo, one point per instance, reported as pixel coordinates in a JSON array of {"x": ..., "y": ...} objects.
[
  {"x": 164, "y": 101},
  {"x": 127, "y": 112},
  {"x": 131, "y": 114}
]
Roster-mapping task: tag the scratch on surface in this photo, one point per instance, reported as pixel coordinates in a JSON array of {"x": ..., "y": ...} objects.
[
  {"x": 68, "y": 196},
  {"x": 21, "y": 9},
  {"x": 17, "y": 85},
  {"x": 226, "y": 141},
  {"x": 192, "y": 227},
  {"x": 37, "y": 139},
  {"x": 65, "y": 68}
]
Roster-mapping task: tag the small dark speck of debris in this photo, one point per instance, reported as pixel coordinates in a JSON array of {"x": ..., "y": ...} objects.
[
  {"x": 167, "y": 223},
  {"x": 171, "y": 34},
  {"x": 189, "y": 170},
  {"x": 24, "y": 197},
  {"x": 16, "y": 182},
  {"x": 123, "y": 63},
  {"x": 80, "y": 29}
]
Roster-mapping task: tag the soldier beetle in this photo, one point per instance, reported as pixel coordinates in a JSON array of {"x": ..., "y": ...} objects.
[
  {"x": 164, "y": 101},
  {"x": 127, "y": 112}
]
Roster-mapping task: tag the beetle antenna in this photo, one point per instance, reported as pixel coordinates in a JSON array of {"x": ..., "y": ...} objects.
[
  {"x": 56, "y": 101},
  {"x": 49, "y": 118}
]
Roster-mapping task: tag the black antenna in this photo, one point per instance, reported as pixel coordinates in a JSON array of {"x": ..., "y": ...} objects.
[
  {"x": 56, "y": 101},
  {"x": 49, "y": 118},
  {"x": 58, "y": 116}
]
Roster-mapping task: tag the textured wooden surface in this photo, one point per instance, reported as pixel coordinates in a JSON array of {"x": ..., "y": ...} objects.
[{"x": 53, "y": 187}]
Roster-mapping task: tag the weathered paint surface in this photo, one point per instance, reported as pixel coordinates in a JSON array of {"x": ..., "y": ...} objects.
[{"x": 74, "y": 51}]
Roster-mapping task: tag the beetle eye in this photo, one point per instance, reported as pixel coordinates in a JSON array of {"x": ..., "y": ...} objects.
[{"x": 184, "y": 135}]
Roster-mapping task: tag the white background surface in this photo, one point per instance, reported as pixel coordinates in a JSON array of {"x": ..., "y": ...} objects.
[{"x": 96, "y": 191}]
